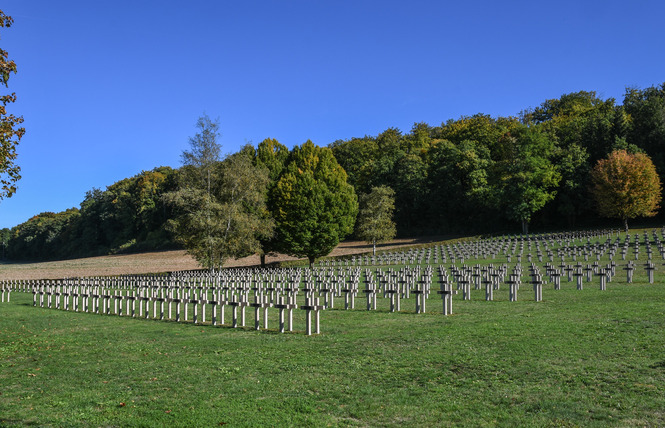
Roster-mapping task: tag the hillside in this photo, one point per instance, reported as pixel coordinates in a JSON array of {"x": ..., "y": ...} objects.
[{"x": 163, "y": 261}]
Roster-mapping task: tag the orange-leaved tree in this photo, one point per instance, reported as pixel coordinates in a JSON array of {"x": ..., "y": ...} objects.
[{"x": 626, "y": 185}]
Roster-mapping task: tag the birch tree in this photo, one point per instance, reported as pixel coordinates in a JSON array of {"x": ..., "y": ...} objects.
[
  {"x": 220, "y": 204},
  {"x": 375, "y": 216}
]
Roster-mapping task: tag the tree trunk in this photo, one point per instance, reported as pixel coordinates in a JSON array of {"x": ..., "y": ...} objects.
[
  {"x": 525, "y": 227},
  {"x": 625, "y": 224},
  {"x": 311, "y": 259},
  {"x": 263, "y": 260},
  {"x": 374, "y": 247}
]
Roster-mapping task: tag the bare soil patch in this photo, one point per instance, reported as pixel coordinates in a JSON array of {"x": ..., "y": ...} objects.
[{"x": 165, "y": 261}]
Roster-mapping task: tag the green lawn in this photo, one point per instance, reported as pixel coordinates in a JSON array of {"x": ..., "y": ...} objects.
[{"x": 578, "y": 358}]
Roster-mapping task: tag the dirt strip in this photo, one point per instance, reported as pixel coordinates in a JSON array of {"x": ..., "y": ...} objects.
[{"x": 165, "y": 261}]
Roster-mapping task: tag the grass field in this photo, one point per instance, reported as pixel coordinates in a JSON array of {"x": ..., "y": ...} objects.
[{"x": 578, "y": 358}]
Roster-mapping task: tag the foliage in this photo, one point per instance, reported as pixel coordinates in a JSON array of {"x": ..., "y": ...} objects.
[
  {"x": 571, "y": 198},
  {"x": 582, "y": 119},
  {"x": 459, "y": 182},
  {"x": 474, "y": 174},
  {"x": 313, "y": 206},
  {"x": 360, "y": 158},
  {"x": 646, "y": 108},
  {"x": 45, "y": 233},
  {"x": 10, "y": 130},
  {"x": 220, "y": 206},
  {"x": 5, "y": 236},
  {"x": 128, "y": 215},
  {"x": 271, "y": 155},
  {"x": 375, "y": 216},
  {"x": 527, "y": 178},
  {"x": 245, "y": 213},
  {"x": 626, "y": 186},
  {"x": 585, "y": 128}
]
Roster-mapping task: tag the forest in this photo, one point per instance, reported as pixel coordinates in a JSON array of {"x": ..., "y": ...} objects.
[{"x": 473, "y": 175}]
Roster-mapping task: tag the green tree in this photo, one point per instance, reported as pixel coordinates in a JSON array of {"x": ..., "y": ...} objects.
[
  {"x": 313, "y": 205},
  {"x": 389, "y": 151},
  {"x": 526, "y": 177},
  {"x": 585, "y": 128},
  {"x": 359, "y": 157},
  {"x": 375, "y": 216},
  {"x": 418, "y": 140},
  {"x": 272, "y": 155},
  {"x": 10, "y": 130},
  {"x": 195, "y": 224},
  {"x": 483, "y": 129},
  {"x": 410, "y": 177},
  {"x": 460, "y": 195},
  {"x": 134, "y": 213},
  {"x": 96, "y": 226},
  {"x": 220, "y": 205},
  {"x": 626, "y": 186},
  {"x": 5, "y": 236},
  {"x": 43, "y": 237},
  {"x": 244, "y": 213},
  {"x": 646, "y": 109},
  {"x": 150, "y": 211},
  {"x": 570, "y": 200}
]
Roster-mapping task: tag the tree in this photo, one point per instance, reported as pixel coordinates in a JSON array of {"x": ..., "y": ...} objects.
[
  {"x": 272, "y": 155},
  {"x": 195, "y": 224},
  {"x": 410, "y": 176},
  {"x": 134, "y": 213},
  {"x": 313, "y": 205},
  {"x": 244, "y": 214},
  {"x": 10, "y": 130},
  {"x": 646, "y": 109},
  {"x": 359, "y": 158},
  {"x": 526, "y": 177},
  {"x": 5, "y": 236},
  {"x": 220, "y": 205},
  {"x": 571, "y": 201},
  {"x": 585, "y": 128},
  {"x": 375, "y": 216},
  {"x": 626, "y": 186},
  {"x": 460, "y": 196}
]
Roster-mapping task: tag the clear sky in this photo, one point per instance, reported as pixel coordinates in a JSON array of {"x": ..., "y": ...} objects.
[{"x": 110, "y": 88}]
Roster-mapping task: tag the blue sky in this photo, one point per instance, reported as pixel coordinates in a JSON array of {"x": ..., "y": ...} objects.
[{"x": 110, "y": 88}]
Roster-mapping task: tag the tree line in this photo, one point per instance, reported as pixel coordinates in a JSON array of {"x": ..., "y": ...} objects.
[
  {"x": 482, "y": 174},
  {"x": 475, "y": 174}
]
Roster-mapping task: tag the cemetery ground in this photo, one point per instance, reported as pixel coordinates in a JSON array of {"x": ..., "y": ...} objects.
[
  {"x": 162, "y": 261},
  {"x": 577, "y": 358}
]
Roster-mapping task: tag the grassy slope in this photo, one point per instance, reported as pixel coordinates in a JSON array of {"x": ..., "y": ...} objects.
[{"x": 579, "y": 358}]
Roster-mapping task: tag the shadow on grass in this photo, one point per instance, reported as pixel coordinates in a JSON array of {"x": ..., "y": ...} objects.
[
  {"x": 16, "y": 422},
  {"x": 659, "y": 365}
]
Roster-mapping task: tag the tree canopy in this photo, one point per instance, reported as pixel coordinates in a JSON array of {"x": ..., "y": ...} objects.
[
  {"x": 313, "y": 205},
  {"x": 272, "y": 156},
  {"x": 473, "y": 174},
  {"x": 527, "y": 177},
  {"x": 626, "y": 186},
  {"x": 375, "y": 216},
  {"x": 220, "y": 205}
]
